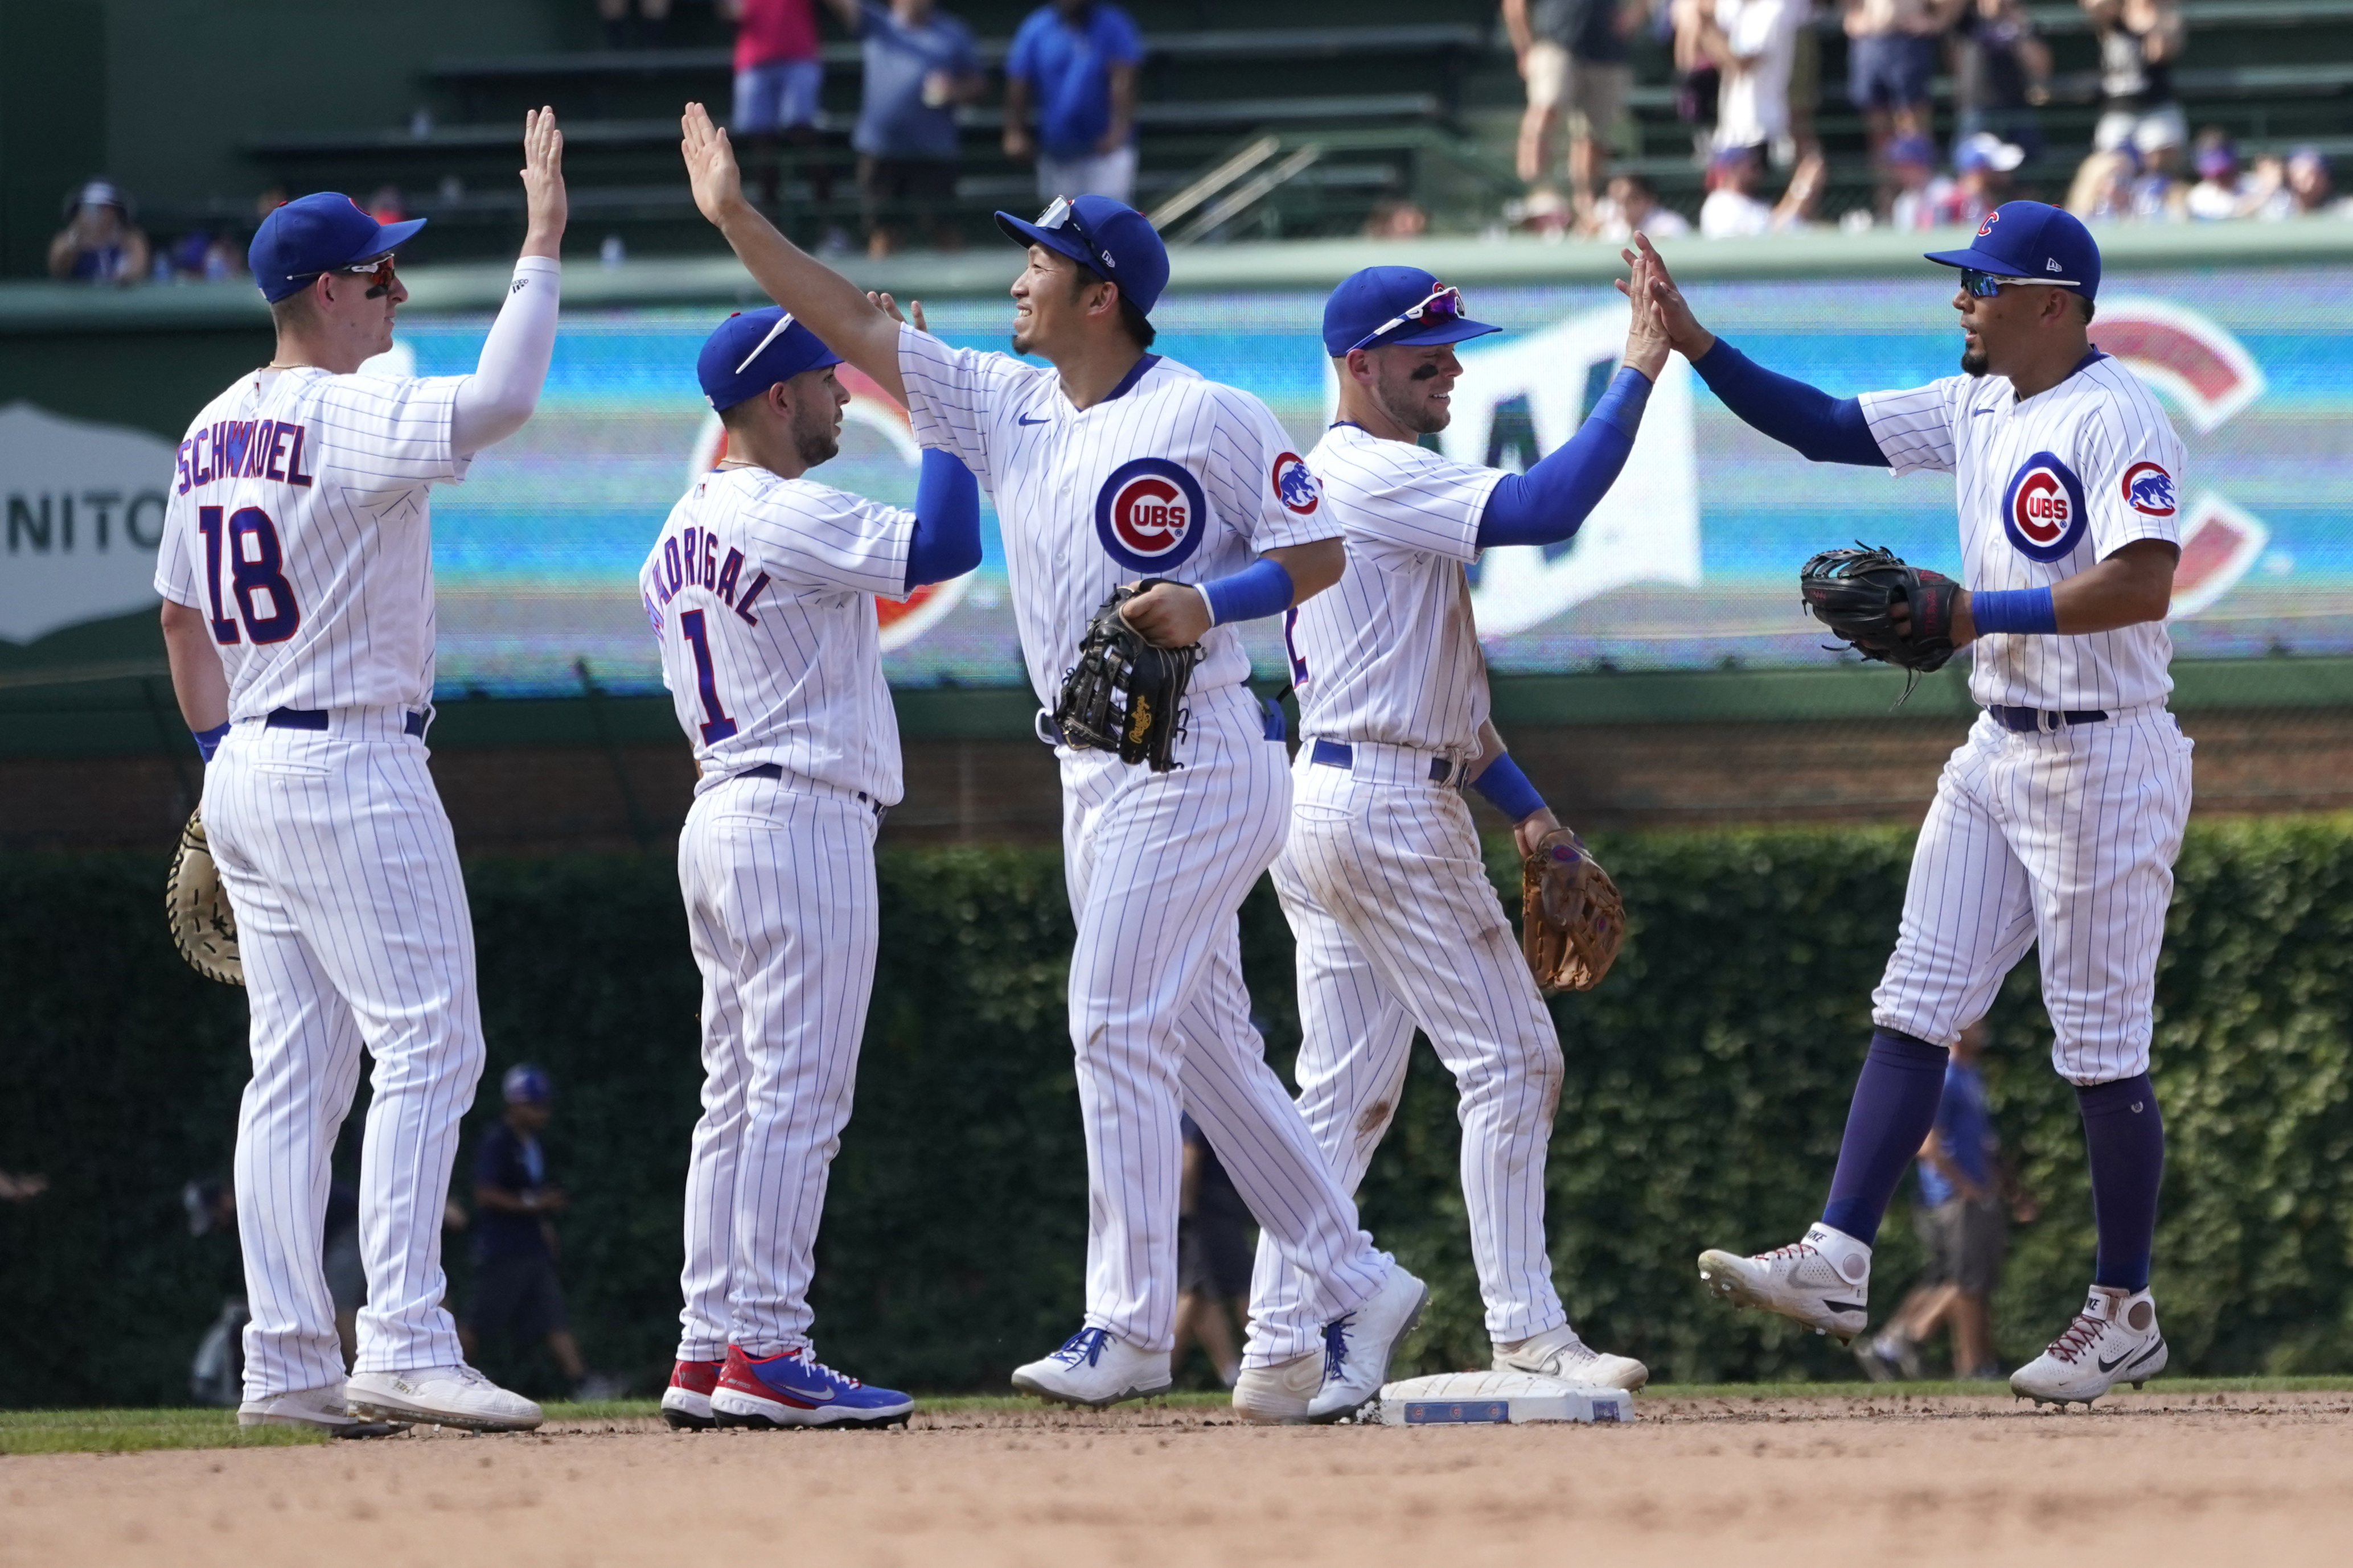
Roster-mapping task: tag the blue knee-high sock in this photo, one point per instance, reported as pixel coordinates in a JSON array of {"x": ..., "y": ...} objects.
[
  {"x": 1894, "y": 1105},
  {"x": 2123, "y": 1134}
]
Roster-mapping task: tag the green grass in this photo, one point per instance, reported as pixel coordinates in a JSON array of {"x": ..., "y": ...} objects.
[{"x": 133, "y": 1431}]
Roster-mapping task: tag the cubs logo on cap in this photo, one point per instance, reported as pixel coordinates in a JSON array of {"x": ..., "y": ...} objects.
[
  {"x": 1150, "y": 513},
  {"x": 1294, "y": 487},
  {"x": 2148, "y": 488},
  {"x": 2042, "y": 511},
  {"x": 2032, "y": 239}
]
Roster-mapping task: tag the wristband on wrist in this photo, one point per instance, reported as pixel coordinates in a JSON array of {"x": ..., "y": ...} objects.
[
  {"x": 208, "y": 740},
  {"x": 1261, "y": 589},
  {"x": 2027, "y": 610},
  {"x": 1507, "y": 789}
]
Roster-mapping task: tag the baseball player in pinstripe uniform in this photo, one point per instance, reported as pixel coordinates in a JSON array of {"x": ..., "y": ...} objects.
[
  {"x": 2056, "y": 823},
  {"x": 761, "y": 590},
  {"x": 1399, "y": 926},
  {"x": 297, "y": 573},
  {"x": 1113, "y": 465}
]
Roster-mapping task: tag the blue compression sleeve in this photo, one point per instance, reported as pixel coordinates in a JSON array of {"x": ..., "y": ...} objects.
[
  {"x": 1549, "y": 502},
  {"x": 208, "y": 740},
  {"x": 946, "y": 542},
  {"x": 1261, "y": 589},
  {"x": 1507, "y": 789},
  {"x": 2025, "y": 610},
  {"x": 1794, "y": 413}
]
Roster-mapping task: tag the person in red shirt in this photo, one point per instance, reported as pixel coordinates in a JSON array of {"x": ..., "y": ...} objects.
[{"x": 779, "y": 67}]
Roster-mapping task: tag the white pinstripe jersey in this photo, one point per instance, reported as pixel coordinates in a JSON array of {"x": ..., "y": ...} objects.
[
  {"x": 298, "y": 524},
  {"x": 1173, "y": 476},
  {"x": 2047, "y": 487},
  {"x": 1391, "y": 653},
  {"x": 761, "y": 594}
]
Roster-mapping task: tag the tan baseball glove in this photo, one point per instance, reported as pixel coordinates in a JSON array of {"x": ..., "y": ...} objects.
[
  {"x": 1571, "y": 918},
  {"x": 204, "y": 927}
]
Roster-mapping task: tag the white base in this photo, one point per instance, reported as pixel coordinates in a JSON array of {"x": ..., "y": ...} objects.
[{"x": 1496, "y": 1398}]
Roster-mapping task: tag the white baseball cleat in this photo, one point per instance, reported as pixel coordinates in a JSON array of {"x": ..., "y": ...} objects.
[
  {"x": 1558, "y": 1353},
  {"x": 317, "y": 1409},
  {"x": 1279, "y": 1395},
  {"x": 1357, "y": 1348},
  {"x": 2112, "y": 1340},
  {"x": 1823, "y": 1281},
  {"x": 1095, "y": 1368},
  {"x": 440, "y": 1396}
]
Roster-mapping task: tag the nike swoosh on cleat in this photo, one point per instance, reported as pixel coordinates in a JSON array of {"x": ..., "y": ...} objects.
[{"x": 814, "y": 1397}]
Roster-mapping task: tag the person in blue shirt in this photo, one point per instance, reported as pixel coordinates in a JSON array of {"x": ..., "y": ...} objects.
[
  {"x": 1964, "y": 1226},
  {"x": 1072, "y": 66},
  {"x": 517, "y": 1295},
  {"x": 921, "y": 63}
]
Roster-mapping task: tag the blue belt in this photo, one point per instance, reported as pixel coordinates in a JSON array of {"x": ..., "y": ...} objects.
[
  {"x": 2038, "y": 721},
  {"x": 316, "y": 719},
  {"x": 1339, "y": 755},
  {"x": 773, "y": 773}
]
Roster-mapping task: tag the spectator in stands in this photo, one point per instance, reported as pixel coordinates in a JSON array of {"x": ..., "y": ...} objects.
[
  {"x": 99, "y": 244},
  {"x": 1920, "y": 190},
  {"x": 920, "y": 64},
  {"x": 1753, "y": 43},
  {"x": 1630, "y": 206},
  {"x": 516, "y": 1292},
  {"x": 1982, "y": 164},
  {"x": 1573, "y": 56},
  {"x": 1733, "y": 209},
  {"x": 1698, "y": 83},
  {"x": 633, "y": 24},
  {"x": 1073, "y": 62},
  {"x": 2297, "y": 186},
  {"x": 2223, "y": 192},
  {"x": 23, "y": 1187},
  {"x": 2102, "y": 187},
  {"x": 1394, "y": 217},
  {"x": 1214, "y": 1250},
  {"x": 2139, "y": 41},
  {"x": 2001, "y": 74},
  {"x": 1891, "y": 54},
  {"x": 779, "y": 67}
]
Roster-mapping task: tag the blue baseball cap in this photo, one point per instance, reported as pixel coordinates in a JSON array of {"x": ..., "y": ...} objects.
[
  {"x": 2028, "y": 239},
  {"x": 312, "y": 234},
  {"x": 526, "y": 1085},
  {"x": 753, "y": 350},
  {"x": 1383, "y": 305},
  {"x": 1112, "y": 238}
]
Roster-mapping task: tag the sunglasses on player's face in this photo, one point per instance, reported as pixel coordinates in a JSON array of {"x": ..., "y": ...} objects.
[
  {"x": 378, "y": 267},
  {"x": 1443, "y": 303},
  {"x": 1986, "y": 284},
  {"x": 1060, "y": 216}
]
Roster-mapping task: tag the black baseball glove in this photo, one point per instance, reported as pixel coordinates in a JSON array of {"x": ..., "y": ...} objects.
[
  {"x": 1855, "y": 592},
  {"x": 1125, "y": 695}
]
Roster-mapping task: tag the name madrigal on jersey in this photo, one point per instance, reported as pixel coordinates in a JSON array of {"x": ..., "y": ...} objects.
[
  {"x": 691, "y": 559},
  {"x": 244, "y": 449}
]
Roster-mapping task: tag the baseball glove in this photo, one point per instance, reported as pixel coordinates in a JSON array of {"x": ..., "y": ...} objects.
[
  {"x": 1854, "y": 591},
  {"x": 1126, "y": 694},
  {"x": 1571, "y": 919},
  {"x": 204, "y": 928}
]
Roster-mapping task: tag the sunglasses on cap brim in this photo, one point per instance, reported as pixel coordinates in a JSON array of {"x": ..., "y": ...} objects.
[
  {"x": 1986, "y": 284},
  {"x": 1062, "y": 217},
  {"x": 377, "y": 267},
  {"x": 1443, "y": 303}
]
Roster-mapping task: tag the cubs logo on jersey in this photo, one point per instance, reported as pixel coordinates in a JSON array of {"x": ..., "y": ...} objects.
[
  {"x": 1294, "y": 487},
  {"x": 2148, "y": 489},
  {"x": 1150, "y": 514},
  {"x": 2042, "y": 511}
]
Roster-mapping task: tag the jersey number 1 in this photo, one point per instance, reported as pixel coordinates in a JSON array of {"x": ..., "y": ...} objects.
[
  {"x": 716, "y": 726},
  {"x": 257, "y": 583}
]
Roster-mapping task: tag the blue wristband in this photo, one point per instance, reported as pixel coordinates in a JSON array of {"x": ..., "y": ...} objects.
[
  {"x": 1261, "y": 589},
  {"x": 2027, "y": 610},
  {"x": 208, "y": 740},
  {"x": 1507, "y": 789}
]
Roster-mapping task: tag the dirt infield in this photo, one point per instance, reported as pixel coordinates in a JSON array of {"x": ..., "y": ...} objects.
[{"x": 2206, "y": 1478}]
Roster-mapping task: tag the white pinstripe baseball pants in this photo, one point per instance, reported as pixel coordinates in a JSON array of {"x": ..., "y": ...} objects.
[
  {"x": 352, "y": 921},
  {"x": 782, "y": 908},
  {"x": 2066, "y": 840},
  {"x": 1158, "y": 865},
  {"x": 1399, "y": 926}
]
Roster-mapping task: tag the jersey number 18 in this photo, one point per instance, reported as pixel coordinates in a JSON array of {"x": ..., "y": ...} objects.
[{"x": 264, "y": 598}]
